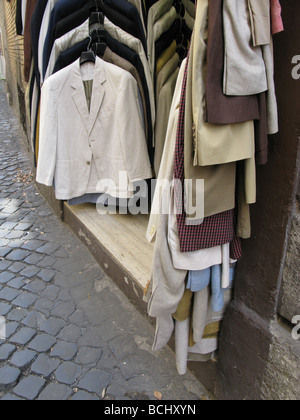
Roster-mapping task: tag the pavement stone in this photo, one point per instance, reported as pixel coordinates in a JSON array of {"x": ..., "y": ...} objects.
[
  {"x": 44, "y": 365},
  {"x": 56, "y": 392},
  {"x": 95, "y": 381},
  {"x": 30, "y": 387},
  {"x": 65, "y": 338},
  {"x": 8, "y": 377},
  {"x": 9, "y": 294},
  {"x": 22, "y": 359},
  {"x": 17, "y": 283},
  {"x": 52, "y": 326},
  {"x": 17, "y": 255},
  {"x": 84, "y": 396},
  {"x": 6, "y": 350},
  {"x": 64, "y": 350},
  {"x": 42, "y": 343},
  {"x": 4, "y": 308},
  {"x": 25, "y": 300},
  {"x": 68, "y": 373},
  {"x": 23, "y": 336},
  {"x": 11, "y": 328},
  {"x": 6, "y": 277},
  {"x": 34, "y": 319},
  {"x": 17, "y": 314},
  {"x": 17, "y": 266}
]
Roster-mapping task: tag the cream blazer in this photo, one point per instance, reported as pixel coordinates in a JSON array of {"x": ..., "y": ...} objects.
[{"x": 77, "y": 148}]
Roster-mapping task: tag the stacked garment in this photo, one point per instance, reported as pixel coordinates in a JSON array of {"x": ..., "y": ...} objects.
[
  {"x": 61, "y": 30},
  {"x": 95, "y": 120},
  {"x": 223, "y": 109},
  {"x": 170, "y": 25}
]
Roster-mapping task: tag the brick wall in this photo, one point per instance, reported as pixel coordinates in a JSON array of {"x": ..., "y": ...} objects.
[{"x": 14, "y": 55}]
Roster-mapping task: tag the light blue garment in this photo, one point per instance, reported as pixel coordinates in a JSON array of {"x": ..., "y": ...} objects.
[{"x": 199, "y": 280}]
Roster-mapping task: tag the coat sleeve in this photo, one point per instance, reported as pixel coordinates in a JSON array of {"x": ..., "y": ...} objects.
[
  {"x": 48, "y": 137},
  {"x": 131, "y": 132}
]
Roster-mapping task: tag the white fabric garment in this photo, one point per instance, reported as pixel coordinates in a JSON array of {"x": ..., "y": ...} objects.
[
  {"x": 24, "y": 4},
  {"x": 202, "y": 316},
  {"x": 184, "y": 353},
  {"x": 34, "y": 108},
  {"x": 244, "y": 71},
  {"x": 166, "y": 170},
  {"x": 74, "y": 148},
  {"x": 272, "y": 107},
  {"x": 198, "y": 260}
]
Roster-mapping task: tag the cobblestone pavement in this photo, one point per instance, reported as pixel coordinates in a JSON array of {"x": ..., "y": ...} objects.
[{"x": 70, "y": 332}]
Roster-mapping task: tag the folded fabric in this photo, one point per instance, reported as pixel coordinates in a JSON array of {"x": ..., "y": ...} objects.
[
  {"x": 244, "y": 72},
  {"x": 260, "y": 21},
  {"x": 222, "y": 109},
  {"x": 199, "y": 280}
]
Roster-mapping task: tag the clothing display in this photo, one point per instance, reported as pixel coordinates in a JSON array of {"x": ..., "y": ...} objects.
[
  {"x": 223, "y": 109},
  {"x": 182, "y": 91},
  {"x": 77, "y": 167}
]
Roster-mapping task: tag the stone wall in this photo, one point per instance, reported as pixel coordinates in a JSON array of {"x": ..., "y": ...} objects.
[
  {"x": 282, "y": 375},
  {"x": 259, "y": 358},
  {"x": 290, "y": 299}
]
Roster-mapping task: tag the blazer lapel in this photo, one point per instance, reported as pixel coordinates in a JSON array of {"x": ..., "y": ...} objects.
[
  {"x": 98, "y": 93},
  {"x": 79, "y": 95}
]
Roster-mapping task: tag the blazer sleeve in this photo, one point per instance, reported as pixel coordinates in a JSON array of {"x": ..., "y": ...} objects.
[
  {"x": 131, "y": 132},
  {"x": 48, "y": 137}
]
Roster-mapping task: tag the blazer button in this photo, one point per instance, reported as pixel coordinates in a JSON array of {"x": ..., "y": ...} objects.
[{"x": 88, "y": 163}]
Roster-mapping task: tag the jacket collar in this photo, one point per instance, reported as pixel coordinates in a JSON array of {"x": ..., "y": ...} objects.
[{"x": 98, "y": 93}]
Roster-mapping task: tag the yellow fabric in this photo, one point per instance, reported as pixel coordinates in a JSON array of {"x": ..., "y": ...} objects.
[
  {"x": 184, "y": 307},
  {"x": 184, "y": 311},
  {"x": 211, "y": 331},
  {"x": 166, "y": 56}
]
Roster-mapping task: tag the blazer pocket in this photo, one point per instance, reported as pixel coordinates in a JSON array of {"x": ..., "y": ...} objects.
[{"x": 67, "y": 174}]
